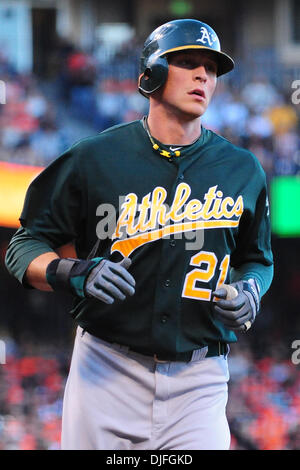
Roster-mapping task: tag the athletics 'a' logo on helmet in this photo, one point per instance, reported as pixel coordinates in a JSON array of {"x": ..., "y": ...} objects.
[
  {"x": 175, "y": 36},
  {"x": 207, "y": 37}
]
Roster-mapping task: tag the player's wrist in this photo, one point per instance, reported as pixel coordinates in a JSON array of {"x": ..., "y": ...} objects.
[
  {"x": 251, "y": 286},
  {"x": 70, "y": 274},
  {"x": 251, "y": 289}
]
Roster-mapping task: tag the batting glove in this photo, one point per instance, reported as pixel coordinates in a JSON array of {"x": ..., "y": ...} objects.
[
  {"x": 238, "y": 313},
  {"x": 99, "y": 278}
]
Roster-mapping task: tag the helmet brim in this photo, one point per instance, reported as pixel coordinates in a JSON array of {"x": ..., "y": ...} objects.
[{"x": 225, "y": 62}]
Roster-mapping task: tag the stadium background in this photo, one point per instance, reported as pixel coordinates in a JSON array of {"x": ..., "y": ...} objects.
[{"x": 68, "y": 69}]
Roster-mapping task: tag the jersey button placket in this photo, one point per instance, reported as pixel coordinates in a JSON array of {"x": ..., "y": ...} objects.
[{"x": 166, "y": 310}]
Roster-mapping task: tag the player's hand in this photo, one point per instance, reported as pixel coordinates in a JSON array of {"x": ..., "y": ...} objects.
[
  {"x": 109, "y": 281},
  {"x": 238, "y": 313},
  {"x": 96, "y": 277}
]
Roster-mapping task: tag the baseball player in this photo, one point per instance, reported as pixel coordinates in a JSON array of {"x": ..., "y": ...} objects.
[{"x": 145, "y": 223}]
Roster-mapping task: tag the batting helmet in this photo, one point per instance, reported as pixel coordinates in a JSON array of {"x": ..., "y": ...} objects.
[{"x": 175, "y": 36}]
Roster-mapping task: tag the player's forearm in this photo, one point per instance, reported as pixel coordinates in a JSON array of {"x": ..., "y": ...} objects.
[
  {"x": 262, "y": 273},
  {"x": 21, "y": 251},
  {"x": 35, "y": 274},
  {"x": 27, "y": 258}
]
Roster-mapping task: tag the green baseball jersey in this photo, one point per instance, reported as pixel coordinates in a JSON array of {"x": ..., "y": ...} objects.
[{"x": 189, "y": 224}]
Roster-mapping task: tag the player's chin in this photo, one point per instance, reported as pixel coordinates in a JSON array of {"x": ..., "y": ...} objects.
[{"x": 194, "y": 112}]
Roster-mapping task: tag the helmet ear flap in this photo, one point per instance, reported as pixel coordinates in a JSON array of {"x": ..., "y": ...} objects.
[
  {"x": 154, "y": 75},
  {"x": 147, "y": 73}
]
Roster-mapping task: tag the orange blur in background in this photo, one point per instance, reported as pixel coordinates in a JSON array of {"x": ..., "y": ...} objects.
[{"x": 14, "y": 181}]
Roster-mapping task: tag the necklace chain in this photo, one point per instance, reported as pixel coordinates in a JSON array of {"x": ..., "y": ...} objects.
[{"x": 162, "y": 152}]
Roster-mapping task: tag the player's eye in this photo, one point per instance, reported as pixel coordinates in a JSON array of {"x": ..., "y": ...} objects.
[
  {"x": 193, "y": 62},
  {"x": 184, "y": 62},
  {"x": 211, "y": 67}
]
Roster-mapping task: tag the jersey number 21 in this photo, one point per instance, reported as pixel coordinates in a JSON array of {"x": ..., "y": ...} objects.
[{"x": 205, "y": 263}]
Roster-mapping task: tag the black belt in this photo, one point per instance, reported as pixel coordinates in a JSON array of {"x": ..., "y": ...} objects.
[{"x": 216, "y": 349}]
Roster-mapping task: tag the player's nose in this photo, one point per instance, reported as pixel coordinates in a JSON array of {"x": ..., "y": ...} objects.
[{"x": 200, "y": 73}]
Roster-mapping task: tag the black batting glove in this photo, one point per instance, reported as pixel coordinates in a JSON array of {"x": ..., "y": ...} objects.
[
  {"x": 98, "y": 278},
  {"x": 238, "y": 313}
]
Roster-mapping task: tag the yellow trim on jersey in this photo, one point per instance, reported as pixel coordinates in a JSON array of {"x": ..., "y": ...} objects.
[{"x": 128, "y": 245}]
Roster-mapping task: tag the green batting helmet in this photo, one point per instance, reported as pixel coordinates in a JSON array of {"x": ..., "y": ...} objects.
[{"x": 175, "y": 36}]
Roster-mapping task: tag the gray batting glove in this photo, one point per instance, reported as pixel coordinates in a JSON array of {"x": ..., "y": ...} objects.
[
  {"x": 238, "y": 313},
  {"x": 109, "y": 281}
]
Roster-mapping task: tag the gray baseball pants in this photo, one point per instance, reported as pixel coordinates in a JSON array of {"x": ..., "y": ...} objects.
[{"x": 116, "y": 399}]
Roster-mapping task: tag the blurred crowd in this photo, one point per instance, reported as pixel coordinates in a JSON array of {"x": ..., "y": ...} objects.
[
  {"x": 32, "y": 382},
  {"x": 263, "y": 407},
  {"x": 264, "y": 403},
  {"x": 101, "y": 92},
  {"x": 29, "y": 130}
]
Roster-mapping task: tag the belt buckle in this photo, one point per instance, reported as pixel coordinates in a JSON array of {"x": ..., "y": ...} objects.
[{"x": 159, "y": 361}]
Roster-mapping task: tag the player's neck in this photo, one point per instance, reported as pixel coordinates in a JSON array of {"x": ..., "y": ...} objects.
[{"x": 171, "y": 129}]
